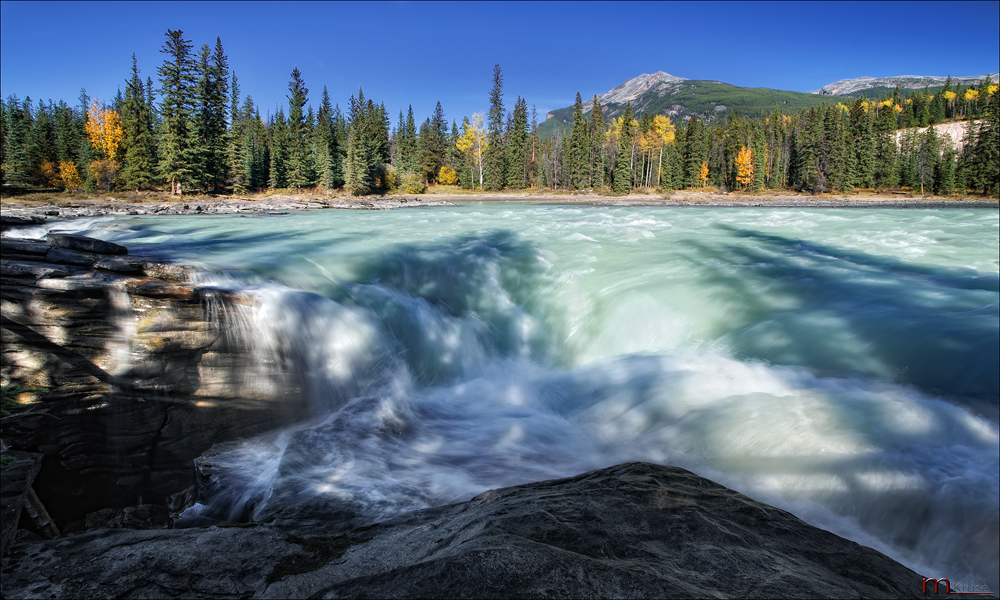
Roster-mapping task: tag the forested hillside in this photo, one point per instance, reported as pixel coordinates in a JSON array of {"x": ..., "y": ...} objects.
[{"x": 193, "y": 131}]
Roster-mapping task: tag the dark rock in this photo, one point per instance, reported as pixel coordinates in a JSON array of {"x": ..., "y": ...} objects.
[
  {"x": 17, "y": 477},
  {"x": 23, "y": 246},
  {"x": 121, "y": 264},
  {"x": 71, "y": 257},
  {"x": 8, "y": 221},
  {"x": 35, "y": 270},
  {"x": 84, "y": 244},
  {"x": 635, "y": 530}
]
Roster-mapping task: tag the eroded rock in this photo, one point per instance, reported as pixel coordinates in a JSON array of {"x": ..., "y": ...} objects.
[{"x": 634, "y": 530}]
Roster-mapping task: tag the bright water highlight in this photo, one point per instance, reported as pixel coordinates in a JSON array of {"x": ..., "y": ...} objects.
[{"x": 841, "y": 364}]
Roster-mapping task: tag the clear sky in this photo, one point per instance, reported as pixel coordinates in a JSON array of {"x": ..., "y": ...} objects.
[{"x": 420, "y": 53}]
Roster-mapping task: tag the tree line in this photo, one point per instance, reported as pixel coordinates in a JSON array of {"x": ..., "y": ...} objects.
[{"x": 193, "y": 131}]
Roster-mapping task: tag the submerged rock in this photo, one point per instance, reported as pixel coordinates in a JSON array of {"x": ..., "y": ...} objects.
[{"x": 635, "y": 530}]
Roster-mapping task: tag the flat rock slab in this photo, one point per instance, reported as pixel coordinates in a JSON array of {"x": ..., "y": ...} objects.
[
  {"x": 631, "y": 531},
  {"x": 83, "y": 243}
]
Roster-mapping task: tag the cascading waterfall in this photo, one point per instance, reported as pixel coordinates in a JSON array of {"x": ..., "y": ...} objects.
[{"x": 839, "y": 364}]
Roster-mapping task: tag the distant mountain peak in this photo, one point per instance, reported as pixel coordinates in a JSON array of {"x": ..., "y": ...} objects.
[
  {"x": 636, "y": 87},
  {"x": 909, "y": 82}
]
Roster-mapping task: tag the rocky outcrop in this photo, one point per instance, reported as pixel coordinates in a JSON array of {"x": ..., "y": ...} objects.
[
  {"x": 635, "y": 530},
  {"x": 119, "y": 373}
]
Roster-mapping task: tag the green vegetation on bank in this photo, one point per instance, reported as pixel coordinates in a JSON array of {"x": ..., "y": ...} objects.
[{"x": 195, "y": 132}]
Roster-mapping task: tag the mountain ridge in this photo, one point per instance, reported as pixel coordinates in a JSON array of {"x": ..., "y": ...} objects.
[
  {"x": 681, "y": 98},
  {"x": 910, "y": 82}
]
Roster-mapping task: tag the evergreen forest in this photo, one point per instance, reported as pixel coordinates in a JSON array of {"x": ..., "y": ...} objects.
[{"x": 191, "y": 130}]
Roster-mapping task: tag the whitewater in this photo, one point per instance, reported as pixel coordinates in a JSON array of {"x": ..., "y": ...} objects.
[{"x": 842, "y": 364}]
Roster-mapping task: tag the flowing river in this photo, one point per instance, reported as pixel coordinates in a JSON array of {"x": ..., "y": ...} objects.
[{"x": 842, "y": 364}]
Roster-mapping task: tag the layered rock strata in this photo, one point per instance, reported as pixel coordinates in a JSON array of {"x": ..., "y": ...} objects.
[{"x": 119, "y": 373}]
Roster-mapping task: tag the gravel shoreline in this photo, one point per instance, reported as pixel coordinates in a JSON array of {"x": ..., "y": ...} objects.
[{"x": 14, "y": 213}]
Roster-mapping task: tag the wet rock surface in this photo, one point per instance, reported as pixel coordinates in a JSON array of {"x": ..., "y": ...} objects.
[
  {"x": 635, "y": 530},
  {"x": 119, "y": 374}
]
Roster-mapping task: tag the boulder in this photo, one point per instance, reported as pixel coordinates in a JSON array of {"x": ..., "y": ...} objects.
[
  {"x": 84, "y": 244},
  {"x": 635, "y": 530}
]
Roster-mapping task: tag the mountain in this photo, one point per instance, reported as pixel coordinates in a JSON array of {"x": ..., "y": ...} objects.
[
  {"x": 875, "y": 86},
  {"x": 680, "y": 98}
]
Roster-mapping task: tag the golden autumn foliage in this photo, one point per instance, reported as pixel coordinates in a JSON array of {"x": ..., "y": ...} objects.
[
  {"x": 744, "y": 166},
  {"x": 105, "y": 172},
  {"x": 971, "y": 94},
  {"x": 104, "y": 129},
  {"x": 703, "y": 174},
  {"x": 447, "y": 176},
  {"x": 992, "y": 89},
  {"x": 950, "y": 95},
  {"x": 49, "y": 174},
  {"x": 69, "y": 174},
  {"x": 472, "y": 143}
]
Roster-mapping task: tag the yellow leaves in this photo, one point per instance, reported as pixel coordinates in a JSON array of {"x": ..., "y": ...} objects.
[
  {"x": 472, "y": 143},
  {"x": 744, "y": 166},
  {"x": 950, "y": 95},
  {"x": 897, "y": 108},
  {"x": 47, "y": 172},
  {"x": 104, "y": 129},
  {"x": 992, "y": 89},
  {"x": 447, "y": 176},
  {"x": 886, "y": 103},
  {"x": 909, "y": 100},
  {"x": 703, "y": 174},
  {"x": 843, "y": 107},
  {"x": 105, "y": 172},
  {"x": 69, "y": 174},
  {"x": 971, "y": 94},
  {"x": 664, "y": 130}
]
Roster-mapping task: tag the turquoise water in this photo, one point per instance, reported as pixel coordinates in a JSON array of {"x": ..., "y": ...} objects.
[{"x": 841, "y": 364}]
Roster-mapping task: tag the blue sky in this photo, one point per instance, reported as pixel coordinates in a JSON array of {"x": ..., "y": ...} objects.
[{"x": 420, "y": 53}]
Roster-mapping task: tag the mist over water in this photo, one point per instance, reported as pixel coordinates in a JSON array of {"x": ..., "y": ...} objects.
[{"x": 841, "y": 364}]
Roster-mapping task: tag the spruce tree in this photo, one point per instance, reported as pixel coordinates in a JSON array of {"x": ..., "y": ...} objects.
[
  {"x": 177, "y": 90},
  {"x": 300, "y": 171},
  {"x": 15, "y": 166},
  {"x": 278, "y": 151},
  {"x": 517, "y": 146},
  {"x": 495, "y": 155},
  {"x": 579, "y": 148},
  {"x": 136, "y": 119},
  {"x": 623, "y": 167},
  {"x": 598, "y": 153}
]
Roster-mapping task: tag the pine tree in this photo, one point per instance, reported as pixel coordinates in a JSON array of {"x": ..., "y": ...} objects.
[
  {"x": 579, "y": 148},
  {"x": 136, "y": 119},
  {"x": 623, "y": 167},
  {"x": 279, "y": 152},
  {"x": 15, "y": 166},
  {"x": 598, "y": 152},
  {"x": 862, "y": 142},
  {"x": 495, "y": 158},
  {"x": 324, "y": 141},
  {"x": 517, "y": 146},
  {"x": 177, "y": 88},
  {"x": 300, "y": 168},
  {"x": 886, "y": 170}
]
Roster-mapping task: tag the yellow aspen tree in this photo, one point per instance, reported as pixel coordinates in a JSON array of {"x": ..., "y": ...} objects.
[
  {"x": 69, "y": 174},
  {"x": 472, "y": 143},
  {"x": 744, "y": 166},
  {"x": 703, "y": 174},
  {"x": 447, "y": 175},
  {"x": 104, "y": 129},
  {"x": 664, "y": 131}
]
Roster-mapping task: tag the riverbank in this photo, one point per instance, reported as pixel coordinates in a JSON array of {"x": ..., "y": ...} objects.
[{"x": 36, "y": 208}]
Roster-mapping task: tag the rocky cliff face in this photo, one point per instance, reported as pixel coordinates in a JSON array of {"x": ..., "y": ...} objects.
[
  {"x": 846, "y": 87},
  {"x": 635, "y": 530},
  {"x": 119, "y": 374}
]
